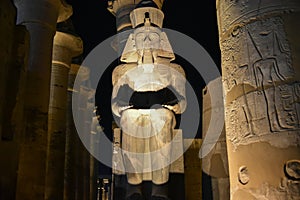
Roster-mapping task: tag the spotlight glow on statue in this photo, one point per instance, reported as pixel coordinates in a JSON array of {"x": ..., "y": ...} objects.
[{"x": 147, "y": 91}]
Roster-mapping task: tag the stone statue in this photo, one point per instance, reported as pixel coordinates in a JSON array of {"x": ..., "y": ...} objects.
[{"x": 148, "y": 90}]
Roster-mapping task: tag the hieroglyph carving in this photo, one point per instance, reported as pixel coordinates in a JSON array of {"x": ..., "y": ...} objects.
[{"x": 261, "y": 89}]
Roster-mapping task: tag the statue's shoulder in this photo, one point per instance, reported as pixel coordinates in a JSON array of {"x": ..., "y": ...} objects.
[
  {"x": 121, "y": 70},
  {"x": 178, "y": 68}
]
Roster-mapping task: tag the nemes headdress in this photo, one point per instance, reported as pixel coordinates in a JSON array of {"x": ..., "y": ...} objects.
[{"x": 147, "y": 19}]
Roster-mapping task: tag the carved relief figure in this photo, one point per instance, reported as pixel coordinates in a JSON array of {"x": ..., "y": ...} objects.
[
  {"x": 262, "y": 75},
  {"x": 269, "y": 76}
]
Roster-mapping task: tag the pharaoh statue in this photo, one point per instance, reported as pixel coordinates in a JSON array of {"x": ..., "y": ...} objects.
[{"x": 148, "y": 91}]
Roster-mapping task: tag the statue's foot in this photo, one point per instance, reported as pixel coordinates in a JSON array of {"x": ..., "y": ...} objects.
[
  {"x": 135, "y": 196},
  {"x": 159, "y": 198}
]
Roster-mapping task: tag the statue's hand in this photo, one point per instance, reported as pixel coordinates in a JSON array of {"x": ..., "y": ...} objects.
[
  {"x": 122, "y": 108},
  {"x": 175, "y": 108},
  {"x": 118, "y": 109}
]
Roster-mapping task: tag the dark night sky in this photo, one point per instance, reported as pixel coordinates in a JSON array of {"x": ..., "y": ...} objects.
[{"x": 94, "y": 23}]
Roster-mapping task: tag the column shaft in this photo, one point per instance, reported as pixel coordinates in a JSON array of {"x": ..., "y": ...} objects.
[
  {"x": 39, "y": 17},
  {"x": 85, "y": 110},
  {"x": 261, "y": 73},
  {"x": 71, "y": 138},
  {"x": 65, "y": 47},
  {"x": 32, "y": 161},
  {"x": 215, "y": 164},
  {"x": 75, "y": 186},
  {"x": 192, "y": 169},
  {"x": 14, "y": 46}
]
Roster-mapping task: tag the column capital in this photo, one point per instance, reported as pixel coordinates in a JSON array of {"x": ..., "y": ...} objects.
[
  {"x": 71, "y": 42},
  {"x": 65, "y": 11},
  {"x": 115, "y": 5},
  {"x": 44, "y": 12},
  {"x": 82, "y": 71},
  {"x": 159, "y": 3},
  {"x": 121, "y": 9}
]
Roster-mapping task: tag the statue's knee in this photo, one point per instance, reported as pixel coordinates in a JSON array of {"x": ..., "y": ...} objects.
[
  {"x": 134, "y": 178},
  {"x": 160, "y": 176}
]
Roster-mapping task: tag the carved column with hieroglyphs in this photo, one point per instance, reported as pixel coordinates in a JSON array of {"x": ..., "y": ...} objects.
[{"x": 261, "y": 80}]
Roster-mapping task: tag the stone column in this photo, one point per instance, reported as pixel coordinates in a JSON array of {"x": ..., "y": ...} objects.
[
  {"x": 96, "y": 130},
  {"x": 261, "y": 73},
  {"x": 73, "y": 158},
  {"x": 85, "y": 111},
  {"x": 39, "y": 17},
  {"x": 215, "y": 164},
  {"x": 65, "y": 46},
  {"x": 121, "y": 9},
  {"x": 14, "y": 46},
  {"x": 88, "y": 158},
  {"x": 7, "y": 28},
  {"x": 77, "y": 156},
  {"x": 192, "y": 169},
  {"x": 71, "y": 135}
]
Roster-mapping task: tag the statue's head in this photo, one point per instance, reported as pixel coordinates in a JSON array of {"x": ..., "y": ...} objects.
[{"x": 147, "y": 38}]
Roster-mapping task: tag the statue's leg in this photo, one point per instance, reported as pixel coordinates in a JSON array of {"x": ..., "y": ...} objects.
[
  {"x": 160, "y": 192},
  {"x": 160, "y": 146},
  {"x": 133, "y": 158},
  {"x": 132, "y": 146},
  {"x": 134, "y": 192},
  {"x": 133, "y": 166},
  {"x": 133, "y": 149}
]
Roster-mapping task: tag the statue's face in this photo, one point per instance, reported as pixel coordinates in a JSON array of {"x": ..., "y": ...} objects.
[
  {"x": 146, "y": 44},
  {"x": 147, "y": 38}
]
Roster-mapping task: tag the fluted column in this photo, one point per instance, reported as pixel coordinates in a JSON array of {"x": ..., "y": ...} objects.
[
  {"x": 215, "y": 163},
  {"x": 65, "y": 46},
  {"x": 261, "y": 74}
]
